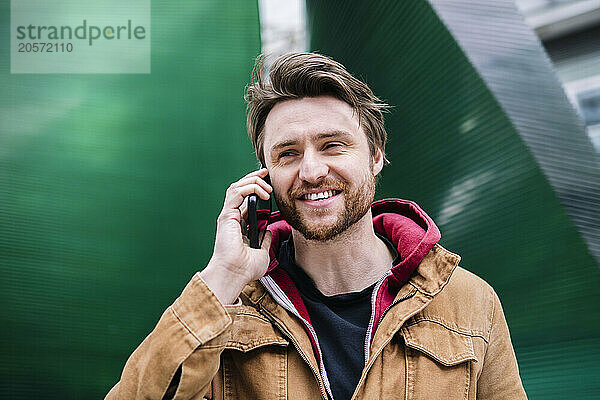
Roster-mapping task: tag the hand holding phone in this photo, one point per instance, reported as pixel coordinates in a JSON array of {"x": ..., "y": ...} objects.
[{"x": 234, "y": 263}]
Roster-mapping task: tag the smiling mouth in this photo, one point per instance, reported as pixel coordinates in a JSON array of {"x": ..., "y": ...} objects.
[{"x": 320, "y": 195}]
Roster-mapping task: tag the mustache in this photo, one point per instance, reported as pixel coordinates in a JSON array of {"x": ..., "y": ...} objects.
[{"x": 304, "y": 187}]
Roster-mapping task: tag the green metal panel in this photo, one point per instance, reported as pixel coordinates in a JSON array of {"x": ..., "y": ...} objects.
[
  {"x": 109, "y": 190},
  {"x": 483, "y": 138}
]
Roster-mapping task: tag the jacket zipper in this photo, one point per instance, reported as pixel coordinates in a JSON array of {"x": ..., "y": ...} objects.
[
  {"x": 285, "y": 302},
  {"x": 289, "y": 335},
  {"x": 408, "y": 296},
  {"x": 372, "y": 320},
  {"x": 368, "y": 366}
]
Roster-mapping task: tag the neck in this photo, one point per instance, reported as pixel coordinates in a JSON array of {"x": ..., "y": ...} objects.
[{"x": 350, "y": 262}]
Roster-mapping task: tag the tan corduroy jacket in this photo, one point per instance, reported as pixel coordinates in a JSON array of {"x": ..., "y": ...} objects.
[{"x": 444, "y": 337}]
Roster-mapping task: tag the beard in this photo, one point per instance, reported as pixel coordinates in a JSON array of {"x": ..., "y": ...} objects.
[{"x": 357, "y": 201}]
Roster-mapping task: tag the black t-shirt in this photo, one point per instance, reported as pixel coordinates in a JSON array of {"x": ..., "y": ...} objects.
[{"x": 340, "y": 322}]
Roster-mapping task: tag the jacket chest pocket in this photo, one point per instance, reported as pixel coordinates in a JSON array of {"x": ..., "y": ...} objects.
[
  {"x": 438, "y": 361},
  {"x": 254, "y": 362}
]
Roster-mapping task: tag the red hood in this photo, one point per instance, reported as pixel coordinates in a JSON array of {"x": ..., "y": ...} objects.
[{"x": 403, "y": 222}]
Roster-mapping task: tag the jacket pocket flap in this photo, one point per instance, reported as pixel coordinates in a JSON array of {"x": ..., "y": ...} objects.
[
  {"x": 446, "y": 346},
  {"x": 251, "y": 330}
]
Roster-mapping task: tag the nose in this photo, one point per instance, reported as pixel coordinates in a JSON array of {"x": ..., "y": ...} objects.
[{"x": 312, "y": 169}]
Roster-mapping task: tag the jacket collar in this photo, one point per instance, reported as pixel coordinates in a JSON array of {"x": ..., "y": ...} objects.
[
  {"x": 434, "y": 271},
  {"x": 429, "y": 278}
]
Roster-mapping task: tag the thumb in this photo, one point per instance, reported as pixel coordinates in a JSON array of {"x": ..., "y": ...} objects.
[{"x": 266, "y": 244}]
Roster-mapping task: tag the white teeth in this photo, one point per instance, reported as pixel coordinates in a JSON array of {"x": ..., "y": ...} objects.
[{"x": 319, "y": 196}]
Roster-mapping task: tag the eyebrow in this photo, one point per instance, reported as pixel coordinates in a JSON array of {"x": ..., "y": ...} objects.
[{"x": 319, "y": 136}]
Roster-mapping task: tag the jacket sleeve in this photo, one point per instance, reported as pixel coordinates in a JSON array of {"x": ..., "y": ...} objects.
[
  {"x": 499, "y": 377},
  {"x": 182, "y": 353}
]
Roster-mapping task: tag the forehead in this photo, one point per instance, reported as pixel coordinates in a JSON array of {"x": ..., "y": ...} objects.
[{"x": 302, "y": 119}]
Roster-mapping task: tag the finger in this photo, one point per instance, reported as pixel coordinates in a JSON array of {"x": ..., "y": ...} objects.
[
  {"x": 244, "y": 216},
  {"x": 244, "y": 208},
  {"x": 259, "y": 172},
  {"x": 266, "y": 244},
  {"x": 235, "y": 196},
  {"x": 244, "y": 226},
  {"x": 253, "y": 179}
]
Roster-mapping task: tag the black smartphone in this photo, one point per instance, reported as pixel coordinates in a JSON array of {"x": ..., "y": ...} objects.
[{"x": 256, "y": 204}]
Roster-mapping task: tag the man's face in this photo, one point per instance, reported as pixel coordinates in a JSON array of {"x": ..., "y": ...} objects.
[{"x": 320, "y": 165}]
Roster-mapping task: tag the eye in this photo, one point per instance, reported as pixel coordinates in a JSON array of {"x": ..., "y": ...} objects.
[
  {"x": 286, "y": 153},
  {"x": 332, "y": 146}
]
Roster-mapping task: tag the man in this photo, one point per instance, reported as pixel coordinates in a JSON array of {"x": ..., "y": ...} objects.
[{"x": 345, "y": 298}]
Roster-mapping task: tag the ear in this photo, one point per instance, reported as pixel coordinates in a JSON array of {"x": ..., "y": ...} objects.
[{"x": 377, "y": 162}]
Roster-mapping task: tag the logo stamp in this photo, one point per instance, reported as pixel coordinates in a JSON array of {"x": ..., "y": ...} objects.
[{"x": 79, "y": 36}]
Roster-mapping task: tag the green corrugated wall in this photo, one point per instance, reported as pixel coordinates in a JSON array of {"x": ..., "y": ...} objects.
[
  {"x": 109, "y": 190},
  {"x": 455, "y": 150},
  {"x": 110, "y": 186}
]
